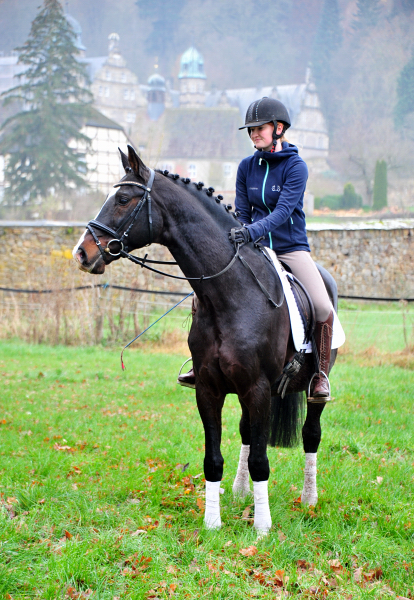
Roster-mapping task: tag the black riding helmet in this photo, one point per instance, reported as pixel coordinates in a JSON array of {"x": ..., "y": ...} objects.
[{"x": 267, "y": 110}]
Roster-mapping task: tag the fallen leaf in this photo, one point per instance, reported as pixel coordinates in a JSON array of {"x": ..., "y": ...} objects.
[
  {"x": 67, "y": 535},
  {"x": 380, "y": 480},
  {"x": 250, "y": 551},
  {"x": 138, "y": 532},
  {"x": 281, "y": 536},
  {"x": 373, "y": 574},
  {"x": 200, "y": 504},
  {"x": 279, "y": 577},
  {"x": 335, "y": 565},
  {"x": 246, "y": 513}
]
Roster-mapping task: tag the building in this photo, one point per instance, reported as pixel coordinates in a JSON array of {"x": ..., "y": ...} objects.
[{"x": 115, "y": 88}]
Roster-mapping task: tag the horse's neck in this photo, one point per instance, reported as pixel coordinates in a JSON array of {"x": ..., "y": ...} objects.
[{"x": 196, "y": 238}]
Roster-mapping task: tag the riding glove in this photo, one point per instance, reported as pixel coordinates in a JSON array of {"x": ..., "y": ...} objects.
[{"x": 240, "y": 236}]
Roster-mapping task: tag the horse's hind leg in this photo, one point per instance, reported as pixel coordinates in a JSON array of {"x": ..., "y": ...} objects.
[
  {"x": 210, "y": 408},
  {"x": 311, "y": 434},
  {"x": 241, "y": 485}
]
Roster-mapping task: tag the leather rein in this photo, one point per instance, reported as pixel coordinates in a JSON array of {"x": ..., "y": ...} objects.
[{"x": 122, "y": 241}]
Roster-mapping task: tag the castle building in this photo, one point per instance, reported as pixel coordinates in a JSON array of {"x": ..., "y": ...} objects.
[{"x": 115, "y": 88}]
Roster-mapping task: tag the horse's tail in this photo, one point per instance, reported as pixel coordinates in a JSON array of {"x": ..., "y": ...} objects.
[{"x": 286, "y": 419}]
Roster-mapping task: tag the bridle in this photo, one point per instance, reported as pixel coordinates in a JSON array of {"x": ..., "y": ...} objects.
[{"x": 122, "y": 238}]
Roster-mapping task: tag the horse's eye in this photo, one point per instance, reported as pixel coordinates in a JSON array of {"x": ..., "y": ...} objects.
[{"x": 123, "y": 200}]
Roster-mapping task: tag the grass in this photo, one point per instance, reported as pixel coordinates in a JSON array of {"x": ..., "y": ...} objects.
[{"x": 102, "y": 487}]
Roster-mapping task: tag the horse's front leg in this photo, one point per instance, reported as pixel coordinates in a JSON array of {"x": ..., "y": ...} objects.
[
  {"x": 311, "y": 434},
  {"x": 258, "y": 403},
  {"x": 210, "y": 407},
  {"x": 241, "y": 485}
]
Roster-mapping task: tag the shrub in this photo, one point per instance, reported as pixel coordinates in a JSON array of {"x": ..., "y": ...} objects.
[
  {"x": 380, "y": 185},
  {"x": 350, "y": 199}
]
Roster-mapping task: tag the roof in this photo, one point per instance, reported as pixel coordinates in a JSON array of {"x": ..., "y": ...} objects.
[
  {"x": 97, "y": 119},
  {"x": 217, "y": 134},
  {"x": 290, "y": 95},
  {"x": 192, "y": 65}
]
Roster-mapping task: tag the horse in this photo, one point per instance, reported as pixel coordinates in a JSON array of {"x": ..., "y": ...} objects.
[{"x": 240, "y": 338}]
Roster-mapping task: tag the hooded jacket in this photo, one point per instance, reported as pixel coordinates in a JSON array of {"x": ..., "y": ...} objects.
[{"x": 269, "y": 198}]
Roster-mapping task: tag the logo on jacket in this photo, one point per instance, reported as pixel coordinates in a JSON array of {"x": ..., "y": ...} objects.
[{"x": 275, "y": 189}]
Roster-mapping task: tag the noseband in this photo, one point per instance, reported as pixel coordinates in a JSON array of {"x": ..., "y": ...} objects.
[{"x": 121, "y": 239}]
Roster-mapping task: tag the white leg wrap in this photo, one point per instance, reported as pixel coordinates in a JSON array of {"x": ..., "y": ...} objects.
[
  {"x": 212, "y": 518},
  {"x": 262, "y": 518},
  {"x": 310, "y": 492},
  {"x": 241, "y": 485}
]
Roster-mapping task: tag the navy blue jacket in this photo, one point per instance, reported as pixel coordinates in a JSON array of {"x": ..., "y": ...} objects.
[{"x": 269, "y": 198}]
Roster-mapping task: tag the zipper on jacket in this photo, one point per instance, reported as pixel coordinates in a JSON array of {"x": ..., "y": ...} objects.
[{"x": 263, "y": 195}]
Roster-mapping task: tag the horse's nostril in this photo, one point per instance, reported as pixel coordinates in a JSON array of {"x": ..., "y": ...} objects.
[{"x": 81, "y": 255}]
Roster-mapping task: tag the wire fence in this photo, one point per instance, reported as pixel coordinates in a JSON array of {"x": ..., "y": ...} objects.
[{"x": 110, "y": 313}]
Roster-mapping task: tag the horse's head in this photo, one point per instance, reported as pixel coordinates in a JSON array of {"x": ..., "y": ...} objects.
[{"x": 124, "y": 221}]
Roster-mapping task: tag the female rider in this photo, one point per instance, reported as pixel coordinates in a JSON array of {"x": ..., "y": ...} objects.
[{"x": 269, "y": 200}]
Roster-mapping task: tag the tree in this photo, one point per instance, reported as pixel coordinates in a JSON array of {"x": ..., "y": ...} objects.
[
  {"x": 52, "y": 103},
  {"x": 380, "y": 185},
  {"x": 368, "y": 13},
  {"x": 350, "y": 199},
  {"x": 165, "y": 18},
  {"x": 405, "y": 94},
  {"x": 327, "y": 41}
]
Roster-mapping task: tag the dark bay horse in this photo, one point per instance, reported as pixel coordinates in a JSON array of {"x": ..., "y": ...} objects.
[{"x": 239, "y": 340}]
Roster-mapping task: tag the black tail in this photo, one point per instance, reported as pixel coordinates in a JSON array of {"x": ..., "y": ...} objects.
[{"x": 286, "y": 420}]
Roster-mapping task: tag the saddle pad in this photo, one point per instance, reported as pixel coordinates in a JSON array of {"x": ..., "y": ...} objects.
[{"x": 296, "y": 323}]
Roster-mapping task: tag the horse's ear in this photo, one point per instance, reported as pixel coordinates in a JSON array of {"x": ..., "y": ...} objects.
[
  {"x": 138, "y": 167},
  {"x": 125, "y": 161}
]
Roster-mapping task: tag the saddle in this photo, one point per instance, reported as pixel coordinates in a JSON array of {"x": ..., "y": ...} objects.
[{"x": 307, "y": 314}]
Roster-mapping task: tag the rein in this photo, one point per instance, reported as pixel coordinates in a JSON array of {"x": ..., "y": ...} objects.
[{"x": 122, "y": 241}]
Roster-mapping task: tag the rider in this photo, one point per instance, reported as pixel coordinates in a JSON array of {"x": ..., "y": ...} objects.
[{"x": 269, "y": 200}]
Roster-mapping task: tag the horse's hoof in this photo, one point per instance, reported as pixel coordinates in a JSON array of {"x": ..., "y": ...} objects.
[
  {"x": 241, "y": 492},
  {"x": 212, "y": 522},
  {"x": 310, "y": 500}
]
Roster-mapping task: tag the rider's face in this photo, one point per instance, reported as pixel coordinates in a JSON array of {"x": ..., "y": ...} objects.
[{"x": 262, "y": 136}]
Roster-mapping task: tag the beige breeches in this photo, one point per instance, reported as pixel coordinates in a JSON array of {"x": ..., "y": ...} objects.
[{"x": 303, "y": 267}]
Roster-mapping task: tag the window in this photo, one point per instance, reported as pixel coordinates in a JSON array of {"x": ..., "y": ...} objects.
[
  {"x": 100, "y": 90},
  {"x": 167, "y": 167},
  {"x": 107, "y": 92},
  {"x": 123, "y": 77},
  {"x": 192, "y": 170},
  {"x": 126, "y": 94},
  {"x": 108, "y": 75},
  {"x": 227, "y": 169},
  {"x": 130, "y": 117},
  {"x": 132, "y": 95}
]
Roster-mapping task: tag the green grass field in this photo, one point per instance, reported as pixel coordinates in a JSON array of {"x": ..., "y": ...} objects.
[{"x": 102, "y": 486}]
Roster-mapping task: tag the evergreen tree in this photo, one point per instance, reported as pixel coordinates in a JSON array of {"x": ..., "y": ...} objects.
[
  {"x": 405, "y": 93},
  {"x": 380, "y": 185},
  {"x": 367, "y": 15},
  {"x": 52, "y": 103},
  {"x": 327, "y": 41},
  {"x": 350, "y": 199}
]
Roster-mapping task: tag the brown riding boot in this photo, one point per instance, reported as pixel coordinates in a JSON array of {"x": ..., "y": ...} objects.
[{"x": 319, "y": 389}]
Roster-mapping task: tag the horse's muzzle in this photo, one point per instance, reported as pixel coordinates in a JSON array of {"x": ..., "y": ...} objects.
[{"x": 94, "y": 265}]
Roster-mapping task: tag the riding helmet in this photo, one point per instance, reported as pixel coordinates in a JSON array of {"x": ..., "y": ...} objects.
[{"x": 267, "y": 110}]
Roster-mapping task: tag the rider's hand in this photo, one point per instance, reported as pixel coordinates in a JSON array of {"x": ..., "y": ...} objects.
[{"x": 240, "y": 236}]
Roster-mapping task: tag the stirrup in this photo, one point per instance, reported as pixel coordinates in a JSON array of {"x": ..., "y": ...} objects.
[
  {"x": 183, "y": 383},
  {"x": 319, "y": 399}
]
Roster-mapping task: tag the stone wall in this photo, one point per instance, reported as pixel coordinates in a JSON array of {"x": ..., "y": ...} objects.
[{"x": 370, "y": 260}]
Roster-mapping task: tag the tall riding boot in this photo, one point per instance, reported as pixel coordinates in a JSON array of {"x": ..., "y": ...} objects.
[
  {"x": 319, "y": 389},
  {"x": 188, "y": 379}
]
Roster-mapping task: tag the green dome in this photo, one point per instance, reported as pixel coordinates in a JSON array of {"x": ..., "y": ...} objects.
[{"x": 192, "y": 65}]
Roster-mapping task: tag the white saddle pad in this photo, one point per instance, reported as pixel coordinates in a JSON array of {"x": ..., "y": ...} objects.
[{"x": 298, "y": 331}]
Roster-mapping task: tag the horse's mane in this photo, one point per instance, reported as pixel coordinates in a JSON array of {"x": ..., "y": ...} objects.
[{"x": 211, "y": 203}]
